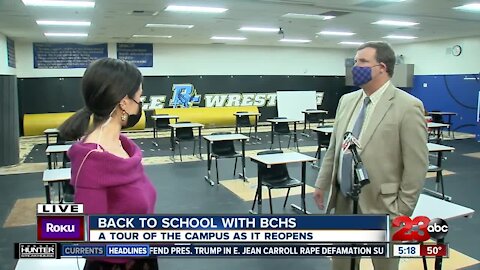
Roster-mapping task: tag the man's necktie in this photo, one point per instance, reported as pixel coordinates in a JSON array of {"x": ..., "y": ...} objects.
[{"x": 347, "y": 161}]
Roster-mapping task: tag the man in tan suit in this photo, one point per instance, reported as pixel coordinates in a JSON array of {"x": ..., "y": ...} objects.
[{"x": 393, "y": 145}]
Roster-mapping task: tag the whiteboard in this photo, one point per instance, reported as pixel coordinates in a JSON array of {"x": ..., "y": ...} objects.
[{"x": 290, "y": 104}]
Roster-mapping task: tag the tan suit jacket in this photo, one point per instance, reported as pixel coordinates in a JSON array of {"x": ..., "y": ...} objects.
[{"x": 393, "y": 149}]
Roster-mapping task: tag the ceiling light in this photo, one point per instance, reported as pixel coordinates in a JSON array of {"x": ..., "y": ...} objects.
[
  {"x": 66, "y": 23},
  {"x": 228, "y": 38},
  {"x": 469, "y": 7},
  {"x": 259, "y": 29},
  {"x": 55, "y": 3},
  {"x": 334, "y": 33},
  {"x": 400, "y": 37},
  {"x": 395, "y": 23},
  {"x": 308, "y": 16},
  {"x": 356, "y": 43},
  {"x": 66, "y": 34},
  {"x": 295, "y": 40},
  {"x": 150, "y": 36},
  {"x": 161, "y": 25},
  {"x": 195, "y": 9}
]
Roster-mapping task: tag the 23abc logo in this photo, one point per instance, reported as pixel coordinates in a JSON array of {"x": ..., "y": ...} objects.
[{"x": 419, "y": 229}]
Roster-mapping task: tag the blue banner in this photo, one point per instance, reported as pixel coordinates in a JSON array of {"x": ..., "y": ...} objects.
[
  {"x": 11, "y": 53},
  {"x": 194, "y": 222},
  {"x": 66, "y": 55},
  {"x": 140, "y": 54}
]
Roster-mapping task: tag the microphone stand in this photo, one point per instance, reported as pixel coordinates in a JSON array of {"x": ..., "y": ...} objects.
[{"x": 360, "y": 179}]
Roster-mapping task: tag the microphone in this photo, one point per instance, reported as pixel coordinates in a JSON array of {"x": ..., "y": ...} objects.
[
  {"x": 348, "y": 141},
  {"x": 351, "y": 143}
]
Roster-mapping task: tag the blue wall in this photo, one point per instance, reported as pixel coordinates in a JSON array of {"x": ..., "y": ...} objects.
[{"x": 452, "y": 93}]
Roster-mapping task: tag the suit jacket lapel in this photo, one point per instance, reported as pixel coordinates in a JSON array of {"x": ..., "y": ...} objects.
[
  {"x": 343, "y": 125},
  {"x": 351, "y": 105},
  {"x": 380, "y": 110}
]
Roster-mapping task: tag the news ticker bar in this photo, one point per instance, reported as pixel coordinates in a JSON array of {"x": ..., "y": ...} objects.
[
  {"x": 420, "y": 250},
  {"x": 63, "y": 250}
]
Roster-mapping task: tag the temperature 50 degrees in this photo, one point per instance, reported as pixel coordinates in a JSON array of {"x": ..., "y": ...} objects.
[{"x": 438, "y": 250}]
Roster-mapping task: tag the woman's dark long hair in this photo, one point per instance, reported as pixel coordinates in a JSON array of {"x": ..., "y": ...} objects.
[{"x": 105, "y": 82}]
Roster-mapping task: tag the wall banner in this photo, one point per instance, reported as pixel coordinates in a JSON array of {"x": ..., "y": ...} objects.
[{"x": 66, "y": 55}]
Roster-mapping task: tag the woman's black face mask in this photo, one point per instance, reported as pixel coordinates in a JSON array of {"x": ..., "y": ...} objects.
[{"x": 134, "y": 118}]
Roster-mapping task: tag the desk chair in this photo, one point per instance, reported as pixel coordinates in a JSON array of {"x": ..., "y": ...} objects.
[
  {"x": 224, "y": 149},
  {"x": 275, "y": 177},
  {"x": 184, "y": 134},
  {"x": 161, "y": 123},
  {"x": 282, "y": 129},
  {"x": 244, "y": 121},
  {"x": 313, "y": 118},
  {"x": 61, "y": 140},
  {"x": 323, "y": 142},
  {"x": 68, "y": 192},
  {"x": 437, "y": 118}
]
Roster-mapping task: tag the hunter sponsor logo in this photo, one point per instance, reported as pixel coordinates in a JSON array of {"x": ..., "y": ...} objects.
[{"x": 36, "y": 250}]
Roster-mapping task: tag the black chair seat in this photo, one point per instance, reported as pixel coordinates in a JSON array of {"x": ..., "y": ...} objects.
[
  {"x": 288, "y": 183},
  {"x": 226, "y": 155}
]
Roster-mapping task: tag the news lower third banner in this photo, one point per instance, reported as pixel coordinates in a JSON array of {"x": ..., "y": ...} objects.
[{"x": 206, "y": 235}]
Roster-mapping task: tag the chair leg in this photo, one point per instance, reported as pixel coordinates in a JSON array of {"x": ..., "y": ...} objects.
[
  {"x": 180, "y": 151},
  {"x": 289, "y": 139},
  {"x": 270, "y": 199},
  {"x": 235, "y": 167},
  {"x": 296, "y": 144},
  {"x": 279, "y": 143},
  {"x": 216, "y": 166},
  {"x": 250, "y": 132},
  {"x": 194, "y": 146},
  {"x": 286, "y": 198},
  {"x": 442, "y": 186},
  {"x": 254, "y": 200}
]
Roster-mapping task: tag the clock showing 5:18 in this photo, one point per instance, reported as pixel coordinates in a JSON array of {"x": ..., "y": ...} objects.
[{"x": 402, "y": 250}]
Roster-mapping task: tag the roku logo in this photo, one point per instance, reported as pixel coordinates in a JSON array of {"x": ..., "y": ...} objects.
[
  {"x": 419, "y": 229},
  {"x": 50, "y": 227}
]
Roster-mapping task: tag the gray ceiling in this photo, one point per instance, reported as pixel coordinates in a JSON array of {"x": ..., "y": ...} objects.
[{"x": 111, "y": 21}]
